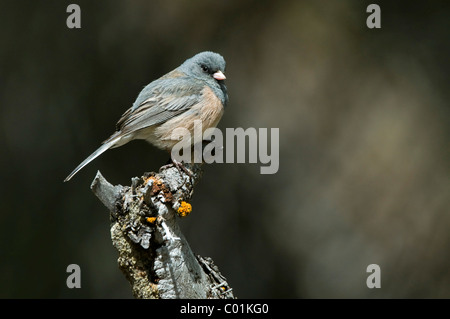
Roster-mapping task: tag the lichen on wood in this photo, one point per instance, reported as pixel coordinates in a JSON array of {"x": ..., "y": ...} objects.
[{"x": 154, "y": 255}]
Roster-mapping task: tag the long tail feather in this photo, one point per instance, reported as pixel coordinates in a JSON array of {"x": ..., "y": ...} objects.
[{"x": 91, "y": 157}]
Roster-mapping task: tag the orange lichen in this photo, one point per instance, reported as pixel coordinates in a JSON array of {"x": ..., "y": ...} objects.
[
  {"x": 184, "y": 209},
  {"x": 158, "y": 186},
  {"x": 148, "y": 179},
  {"x": 151, "y": 219}
]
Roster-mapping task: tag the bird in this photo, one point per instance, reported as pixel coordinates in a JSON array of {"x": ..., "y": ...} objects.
[{"x": 193, "y": 91}]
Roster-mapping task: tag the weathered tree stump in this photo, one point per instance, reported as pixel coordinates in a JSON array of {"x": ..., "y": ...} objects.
[{"x": 154, "y": 255}]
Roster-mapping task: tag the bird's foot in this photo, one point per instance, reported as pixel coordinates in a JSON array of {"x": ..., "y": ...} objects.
[{"x": 180, "y": 167}]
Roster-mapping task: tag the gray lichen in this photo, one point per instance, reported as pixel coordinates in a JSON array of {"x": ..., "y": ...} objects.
[{"x": 154, "y": 255}]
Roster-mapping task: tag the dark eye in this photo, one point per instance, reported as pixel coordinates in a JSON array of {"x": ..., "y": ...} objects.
[{"x": 205, "y": 68}]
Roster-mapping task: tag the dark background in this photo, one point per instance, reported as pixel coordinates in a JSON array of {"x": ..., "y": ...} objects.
[{"x": 364, "y": 143}]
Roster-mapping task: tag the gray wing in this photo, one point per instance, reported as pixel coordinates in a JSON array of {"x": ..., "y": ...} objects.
[{"x": 160, "y": 101}]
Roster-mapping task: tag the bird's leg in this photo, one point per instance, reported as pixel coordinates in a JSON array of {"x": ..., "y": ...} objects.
[{"x": 179, "y": 165}]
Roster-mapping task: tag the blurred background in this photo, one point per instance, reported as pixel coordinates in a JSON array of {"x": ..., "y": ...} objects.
[{"x": 364, "y": 143}]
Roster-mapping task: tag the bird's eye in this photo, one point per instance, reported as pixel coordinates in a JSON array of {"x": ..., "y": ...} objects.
[{"x": 205, "y": 68}]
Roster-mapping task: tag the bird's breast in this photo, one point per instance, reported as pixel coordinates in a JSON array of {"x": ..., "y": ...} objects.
[{"x": 207, "y": 112}]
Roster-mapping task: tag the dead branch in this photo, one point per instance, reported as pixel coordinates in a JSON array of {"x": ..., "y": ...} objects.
[{"x": 154, "y": 255}]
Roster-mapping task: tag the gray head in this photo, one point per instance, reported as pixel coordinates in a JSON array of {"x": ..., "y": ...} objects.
[{"x": 209, "y": 67}]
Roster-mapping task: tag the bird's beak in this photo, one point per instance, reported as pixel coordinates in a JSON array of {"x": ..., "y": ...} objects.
[{"x": 219, "y": 76}]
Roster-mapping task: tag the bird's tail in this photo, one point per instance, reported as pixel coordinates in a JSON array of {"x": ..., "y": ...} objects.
[{"x": 109, "y": 143}]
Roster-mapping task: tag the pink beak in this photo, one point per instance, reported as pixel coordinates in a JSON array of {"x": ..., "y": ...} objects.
[{"x": 219, "y": 76}]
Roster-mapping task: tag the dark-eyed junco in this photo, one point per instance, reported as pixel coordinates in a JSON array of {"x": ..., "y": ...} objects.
[{"x": 193, "y": 91}]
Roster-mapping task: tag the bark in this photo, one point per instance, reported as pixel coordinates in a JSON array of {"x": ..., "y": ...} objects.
[{"x": 154, "y": 255}]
